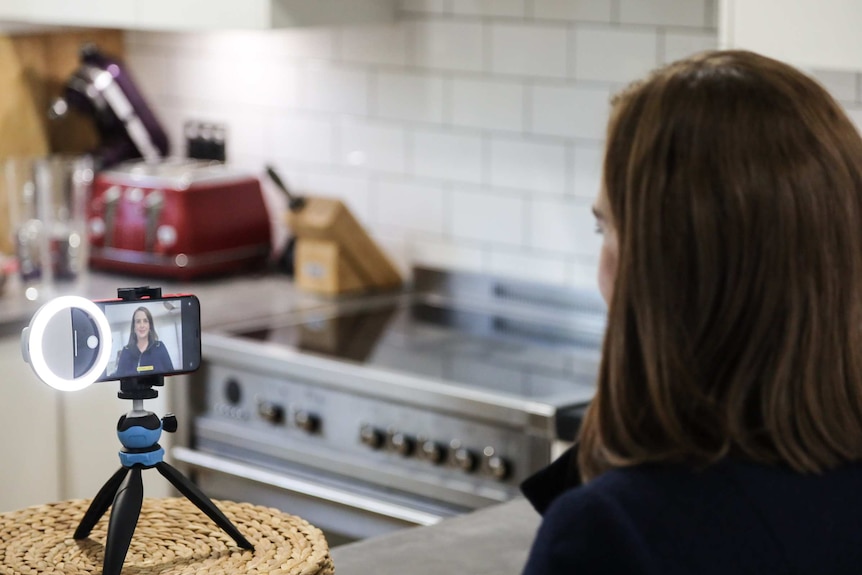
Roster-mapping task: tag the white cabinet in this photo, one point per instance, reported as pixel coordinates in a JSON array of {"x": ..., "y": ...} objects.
[
  {"x": 818, "y": 34},
  {"x": 197, "y": 14},
  {"x": 30, "y": 419},
  {"x": 58, "y": 445}
]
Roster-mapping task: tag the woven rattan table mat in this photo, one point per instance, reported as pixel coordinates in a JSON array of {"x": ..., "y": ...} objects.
[{"x": 172, "y": 537}]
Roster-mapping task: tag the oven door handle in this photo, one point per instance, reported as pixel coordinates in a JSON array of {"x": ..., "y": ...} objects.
[{"x": 302, "y": 487}]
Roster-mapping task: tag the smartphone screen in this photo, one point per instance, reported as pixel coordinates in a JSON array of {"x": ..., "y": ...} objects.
[{"x": 153, "y": 337}]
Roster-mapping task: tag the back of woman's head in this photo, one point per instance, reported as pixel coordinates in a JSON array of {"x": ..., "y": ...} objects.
[{"x": 734, "y": 184}]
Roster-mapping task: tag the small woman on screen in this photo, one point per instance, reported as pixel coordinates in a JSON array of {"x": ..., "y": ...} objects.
[{"x": 144, "y": 354}]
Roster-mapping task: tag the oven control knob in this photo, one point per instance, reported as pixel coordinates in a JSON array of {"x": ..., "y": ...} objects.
[
  {"x": 401, "y": 443},
  {"x": 461, "y": 457},
  {"x": 232, "y": 391},
  {"x": 432, "y": 451},
  {"x": 371, "y": 436},
  {"x": 306, "y": 421},
  {"x": 271, "y": 412},
  {"x": 495, "y": 465}
]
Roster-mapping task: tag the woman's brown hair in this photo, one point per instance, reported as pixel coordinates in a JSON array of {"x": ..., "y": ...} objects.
[{"x": 734, "y": 184}]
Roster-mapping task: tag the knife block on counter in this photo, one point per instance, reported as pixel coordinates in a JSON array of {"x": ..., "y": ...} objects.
[{"x": 334, "y": 254}]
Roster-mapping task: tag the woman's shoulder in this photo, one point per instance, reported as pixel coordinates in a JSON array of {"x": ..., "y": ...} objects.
[
  {"x": 732, "y": 510},
  {"x": 636, "y": 520}
]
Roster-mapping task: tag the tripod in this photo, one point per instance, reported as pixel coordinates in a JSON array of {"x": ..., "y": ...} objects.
[{"x": 139, "y": 432}]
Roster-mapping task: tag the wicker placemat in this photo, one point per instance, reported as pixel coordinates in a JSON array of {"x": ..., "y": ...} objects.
[{"x": 172, "y": 537}]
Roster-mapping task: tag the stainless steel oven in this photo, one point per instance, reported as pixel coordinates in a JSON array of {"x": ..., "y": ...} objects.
[{"x": 392, "y": 411}]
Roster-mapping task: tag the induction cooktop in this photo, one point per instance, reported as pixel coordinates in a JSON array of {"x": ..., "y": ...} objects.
[{"x": 513, "y": 355}]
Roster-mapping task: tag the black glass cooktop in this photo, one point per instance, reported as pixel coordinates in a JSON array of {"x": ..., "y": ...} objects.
[{"x": 519, "y": 357}]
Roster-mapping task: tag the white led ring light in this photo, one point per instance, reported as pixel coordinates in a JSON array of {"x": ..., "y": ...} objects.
[{"x": 37, "y": 332}]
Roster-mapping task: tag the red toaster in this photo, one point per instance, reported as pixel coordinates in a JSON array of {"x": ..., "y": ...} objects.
[{"x": 177, "y": 218}]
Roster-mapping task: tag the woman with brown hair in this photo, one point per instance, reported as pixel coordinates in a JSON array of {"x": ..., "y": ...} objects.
[
  {"x": 726, "y": 431},
  {"x": 144, "y": 354}
]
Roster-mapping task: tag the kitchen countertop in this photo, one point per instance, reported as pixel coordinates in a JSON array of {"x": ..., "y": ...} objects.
[
  {"x": 493, "y": 541},
  {"x": 223, "y": 300}
]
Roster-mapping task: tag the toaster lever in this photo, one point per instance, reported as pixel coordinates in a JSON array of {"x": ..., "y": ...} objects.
[{"x": 153, "y": 203}]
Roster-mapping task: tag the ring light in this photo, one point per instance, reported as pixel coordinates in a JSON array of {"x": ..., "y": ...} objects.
[{"x": 34, "y": 347}]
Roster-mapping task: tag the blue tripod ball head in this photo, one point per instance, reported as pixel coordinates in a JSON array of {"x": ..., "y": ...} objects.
[{"x": 139, "y": 432}]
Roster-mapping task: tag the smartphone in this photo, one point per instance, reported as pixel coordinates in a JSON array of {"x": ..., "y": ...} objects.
[{"x": 153, "y": 336}]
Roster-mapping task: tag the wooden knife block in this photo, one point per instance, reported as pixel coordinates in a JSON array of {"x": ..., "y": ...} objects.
[{"x": 334, "y": 254}]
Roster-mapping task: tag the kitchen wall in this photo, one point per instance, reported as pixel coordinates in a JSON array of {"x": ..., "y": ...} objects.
[{"x": 467, "y": 135}]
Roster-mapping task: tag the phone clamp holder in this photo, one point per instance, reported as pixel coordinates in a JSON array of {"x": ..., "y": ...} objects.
[{"x": 139, "y": 432}]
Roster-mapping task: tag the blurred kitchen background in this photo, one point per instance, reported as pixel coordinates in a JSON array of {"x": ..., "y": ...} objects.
[
  {"x": 463, "y": 135},
  {"x": 467, "y": 134}
]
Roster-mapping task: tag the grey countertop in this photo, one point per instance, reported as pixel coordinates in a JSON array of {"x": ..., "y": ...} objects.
[
  {"x": 223, "y": 300},
  {"x": 492, "y": 541}
]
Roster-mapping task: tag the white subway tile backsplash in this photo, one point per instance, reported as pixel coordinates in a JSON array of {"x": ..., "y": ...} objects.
[
  {"x": 413, "y": 97},
  {"x": 447, "y": 156},
  {"x": 842, "y": 85},
  {"x": 424, "y": 6},
  {"x": 573, "y": 10},
  {"x": 570, "y": 112},
  {"x": 614, "y": 54},
  {"x": 678, "y": 45},
  {"x": 563, "y": 226},
  {"x": 374, "y": 44},
  {"x": 587, "y": 180},
  {"x": 409, "y": 204},
  {"x": 260, "y": 86},
  {"x": 449, "y": 45},
  {"x": 245, "y": 133},
  {"x": 250, "y": 45},
  {"x": 338, "y": 90},
  {"x": 529, "y": 50},
  {"x": 468, "y": 134},
  {"x": 527, "y": 265},
  {"x": 583, "y": 274},
  {"x": 205, "y": 79},
  {"x": 189, "y": 76},
  {"x": 353, "y": 190},
  {"x": 446, "y": 254},
  {"x": 373, "y": 146},
  {"x": 396, "y": 246},
  {"x": 304, "y": 43},
  {"x": 488, "y": 104},
  {"x": 302, "y": 138},
  {"x": 531, "y": 166},
  {"x": 664, "y": 12},
  {"x": 240, "y": 45},
  {"x": 152, "y": 66},
  {"x": 513, "y": 8},
  {"x": 480, "y": 215}
]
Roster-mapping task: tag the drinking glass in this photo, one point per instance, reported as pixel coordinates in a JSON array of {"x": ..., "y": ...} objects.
[{"x": 47, "y": 199}]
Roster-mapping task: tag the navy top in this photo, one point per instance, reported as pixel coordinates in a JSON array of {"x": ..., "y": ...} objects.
[
  {"x": 154, "y": 360},
  {"x": 732, "y": 517}
]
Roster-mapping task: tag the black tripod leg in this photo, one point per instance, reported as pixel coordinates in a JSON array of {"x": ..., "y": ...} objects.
[
  {"x": 100, "y": 504},
  {"x": 204, "y": 503},
  {"x": 124, "y": 519}
]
